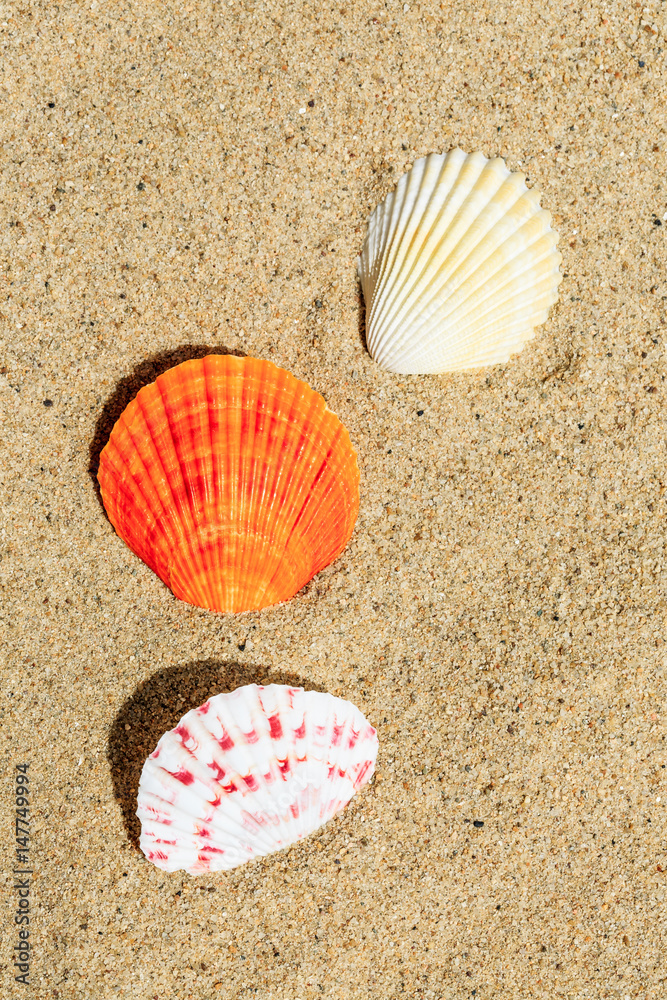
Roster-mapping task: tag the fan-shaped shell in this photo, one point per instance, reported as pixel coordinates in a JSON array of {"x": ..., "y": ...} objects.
[
  {"x": 458, "y": 268},
  {"x": 249, "y": 773},
  {"x": 232, "y": 480}
]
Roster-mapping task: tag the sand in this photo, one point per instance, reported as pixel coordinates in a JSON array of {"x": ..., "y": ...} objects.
[{"x": 177, "y": 178}]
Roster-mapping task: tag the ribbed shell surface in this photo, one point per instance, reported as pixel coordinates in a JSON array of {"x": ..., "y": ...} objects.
[
  {"x": 249, "y": 773},
  {"x": 232, "y": 480},
  {"x": 458, "y": 268}
]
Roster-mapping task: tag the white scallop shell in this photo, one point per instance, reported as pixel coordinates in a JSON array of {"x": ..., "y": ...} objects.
[
  {"x": 458, "y": 268},
  {"x": 249, "y": 773}
]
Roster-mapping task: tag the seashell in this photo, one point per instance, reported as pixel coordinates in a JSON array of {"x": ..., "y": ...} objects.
[
  {"x": 232, "y": 480},
  {"x": 458, "y": 268},
  {"x": 249, "y": 773}
]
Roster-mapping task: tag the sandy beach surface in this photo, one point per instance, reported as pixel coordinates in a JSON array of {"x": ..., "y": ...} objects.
[{"x": 181, "y": 178}]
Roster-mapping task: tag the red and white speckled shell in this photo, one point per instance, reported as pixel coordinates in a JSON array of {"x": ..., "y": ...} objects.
[{"x": 249, "y": 773}]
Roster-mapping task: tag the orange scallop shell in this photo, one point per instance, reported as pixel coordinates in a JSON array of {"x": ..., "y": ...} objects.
[{"x": 232, "y": 480}]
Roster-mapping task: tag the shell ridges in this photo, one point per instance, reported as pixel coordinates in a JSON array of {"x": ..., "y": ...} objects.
[
  {"x": 459, "y": 266},
  {"x": 249, "y": 773},
  {"x": 232, "y": 480}
]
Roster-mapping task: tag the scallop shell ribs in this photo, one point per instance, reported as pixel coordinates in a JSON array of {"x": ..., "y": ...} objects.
[
  {"x": 249, "y": 773},
  {"x": 458, "y": 268},
  {"x": 232, "y": 480}
]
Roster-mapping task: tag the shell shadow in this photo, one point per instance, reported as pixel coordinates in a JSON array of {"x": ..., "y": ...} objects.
[
  {"x": 362, "y": 321},
  {"x": 143, "y": 374},
  {"x": 158, "y": 704}
]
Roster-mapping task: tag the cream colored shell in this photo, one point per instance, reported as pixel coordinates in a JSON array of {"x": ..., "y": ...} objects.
[{"x": 458, "y": 268}]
